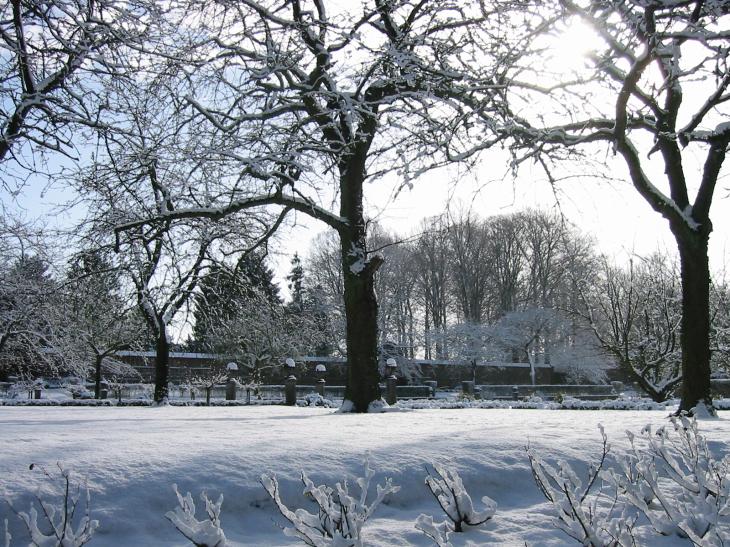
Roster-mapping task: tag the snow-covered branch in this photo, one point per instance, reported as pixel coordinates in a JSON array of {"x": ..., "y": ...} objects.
[
  {"x": 448, "y": 489},
  {"x": 201, "y": 533},
  {"x": 340, "y": 516},
  {"x": 584, "y": 512},
  {"x": 66, "y": 529}
]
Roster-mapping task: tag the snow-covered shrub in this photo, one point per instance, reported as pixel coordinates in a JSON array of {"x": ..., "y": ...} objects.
[
  {"x": 448, "y": 489},
  {"x": 676, "y": 483},
  {"x": 315, "y": 399},
  {"x": 60, "y": 518},
  {"x": 340, "y": 516},
  {"x": 587, "y": 514},
  {"x": 202, "y": 533}
]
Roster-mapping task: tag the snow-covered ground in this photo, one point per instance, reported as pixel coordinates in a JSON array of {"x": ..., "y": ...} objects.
[{"x": 132, "y": 456}]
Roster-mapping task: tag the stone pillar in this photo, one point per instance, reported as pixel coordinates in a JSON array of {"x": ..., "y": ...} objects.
[
  {"x": 231, "y": 386},
  {"x": 432, "y": 384},
  {"x": 467, "y": 388},
  {"x": 391, "y": 396},
  {"x": 290, "y": 390},
  {"x": 515, "y": 393},
  {"x": 320, "y": 370},
  {"x": 37, "y": 391},
  {"x": 103, "y": 390}
]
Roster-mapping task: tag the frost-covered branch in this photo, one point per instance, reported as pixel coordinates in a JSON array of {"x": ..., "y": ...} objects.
[
  {"x": 591, "y": 518},
  {"x": 438, "y": 532},
  {"x": 448, "y": 489},
  {"x": 201, "y": 533},
  {"x": 340, "y": 515},
  {"x": 673, "y": 479},
  {"x": 64, "y": 530}
]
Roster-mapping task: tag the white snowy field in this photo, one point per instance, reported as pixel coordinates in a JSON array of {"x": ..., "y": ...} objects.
[{"x": 132, "y": 456}]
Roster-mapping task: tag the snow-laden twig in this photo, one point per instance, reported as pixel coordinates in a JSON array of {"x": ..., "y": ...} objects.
[
  {"x": 592, "y": 518},
  {"x": 340, "y": 515},
  {"x": 438, "y": 532},
  {"x": 59, "y": 518},
  {"x": 6, "y": 535},
  {"x": 202, "y": 533},
  {"x": 448, "y": 489},
  {"x": 676, "y": 483}
]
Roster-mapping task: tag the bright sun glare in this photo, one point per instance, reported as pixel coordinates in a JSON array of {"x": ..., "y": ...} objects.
[{"x": 572, "y": 45}]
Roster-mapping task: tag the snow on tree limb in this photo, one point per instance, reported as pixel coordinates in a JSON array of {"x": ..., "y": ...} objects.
[
  {"x": 340, "y": 516},
  {"x": 205, "y": 533},
  {"x": 66, "y": 528}
]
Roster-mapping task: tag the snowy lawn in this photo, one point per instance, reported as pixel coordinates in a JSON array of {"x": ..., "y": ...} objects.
[{"x": 132, "y": 456}]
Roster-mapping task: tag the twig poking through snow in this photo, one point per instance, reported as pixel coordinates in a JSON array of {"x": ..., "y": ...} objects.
[
  {"x": 61, "y": 518},
  {"x": 448, "y": 489},
  {"x": 201, "y": 533},
  {"x": 438, "y": 532},
  {"x": 340, "y": 516},
  {"x": 590, "y": 518}
]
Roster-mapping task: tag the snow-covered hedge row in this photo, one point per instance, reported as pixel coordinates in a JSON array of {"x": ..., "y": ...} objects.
[
  {"x": 668, "y": 478},
  {"x": 667, "y": 482},
  {"x": 56, "y": 402},
  {"x": 569, "y": 403}
]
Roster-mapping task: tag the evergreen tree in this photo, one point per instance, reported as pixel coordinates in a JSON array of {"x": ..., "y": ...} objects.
[
  {"x": 295, "y": 283},
  {"x": 224, "y": 293}
]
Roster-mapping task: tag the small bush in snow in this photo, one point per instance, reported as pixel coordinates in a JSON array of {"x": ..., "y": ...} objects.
[
  {"x": 590, "y": 517},
  {"x": 202, "y": 533},
  {"x": 674, "y": 481},
  {"x": 59, "y": 518},
  {"x": 448, "y": 489},
  {"x": 315, "y": 399},
  {"x": 340, "y": 516}
]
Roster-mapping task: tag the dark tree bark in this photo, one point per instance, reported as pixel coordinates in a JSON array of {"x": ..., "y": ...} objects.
[
  {"x": 695, "y": 331},
  {"x": 361, "y": 307},
  {"x": 162, "y": 366},
  {"x": 97, "y": 375}
]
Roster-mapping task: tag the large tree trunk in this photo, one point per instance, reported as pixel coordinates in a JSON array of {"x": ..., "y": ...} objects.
[
  {"x": 162, "y": 365},
  {"x": 695, "y": 332},
  {"x": 97, "y": 376},
  {"x": 361, "y": 311},
  {"x": 361, "y": 307}
]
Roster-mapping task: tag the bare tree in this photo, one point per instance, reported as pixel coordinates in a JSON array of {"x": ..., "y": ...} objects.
[
  {"x": 31, "y": 307},
  {"x": 298, "y": 95},
  {"x": 432, "y": 276},
  {"x": 635, "y": 313},
  {"x": 507, "y": 264},
  {"x": 54, "y": 59},
  {"x": 655, "y": 90},
  {"x": 99, "y": 322},
  {"x": 469, "y": 243},
  {"x": 395, "y": 292}
]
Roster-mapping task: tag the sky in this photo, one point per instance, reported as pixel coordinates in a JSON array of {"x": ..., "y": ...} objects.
[{"x": 613, "y": 213}]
